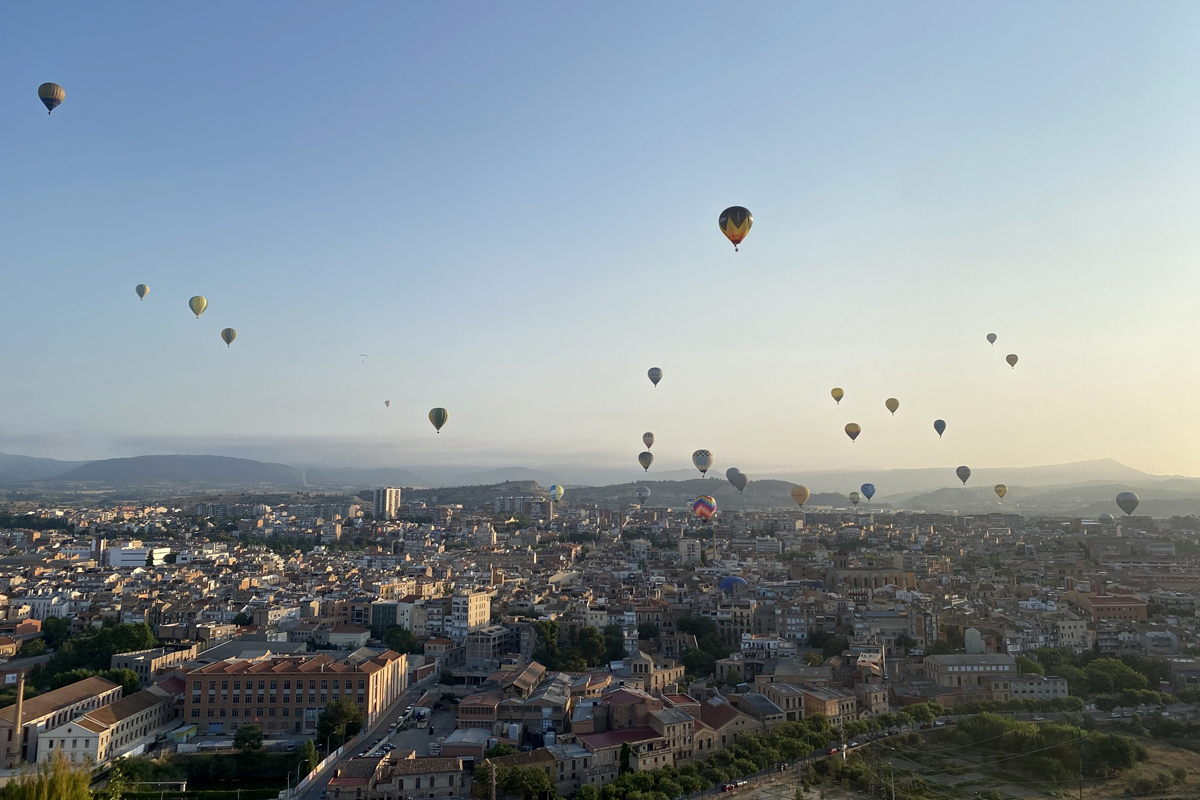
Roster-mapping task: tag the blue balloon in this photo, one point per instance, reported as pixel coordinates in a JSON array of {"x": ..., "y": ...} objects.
[
  {"x": 731, "y": 582},
  {"x": 939, "y": 425},
  {"x": 868, "y": 490}
]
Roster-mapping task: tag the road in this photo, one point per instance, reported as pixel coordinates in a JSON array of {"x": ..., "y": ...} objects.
[{"x": 379, "y": 731}]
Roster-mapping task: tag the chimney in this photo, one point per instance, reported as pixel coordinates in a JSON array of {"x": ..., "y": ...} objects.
[{"x": 17, "y": 732}]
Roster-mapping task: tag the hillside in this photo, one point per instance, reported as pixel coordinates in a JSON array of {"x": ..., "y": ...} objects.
[
  {"x": 759, "y": 495},
  {"x": 17, "y": 469},
  {"x": 183, "y": 471}
]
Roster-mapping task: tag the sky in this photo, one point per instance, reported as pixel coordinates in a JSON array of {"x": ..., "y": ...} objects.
[{"x": 512, "y": 211}]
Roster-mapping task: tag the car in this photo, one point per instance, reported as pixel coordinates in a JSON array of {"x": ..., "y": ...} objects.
[
  {"x": 1127, "y": 713},
  {"x": 1114, "y": 715},
  {"x": 854, "y": 744},
  {"x": 291, "y": 748},
  {"x": 740, "y": 783},
  {"x": 1038, "y": 718},
  {"x": 833, "y": 751},
  {"x": 939, "y": 723}
]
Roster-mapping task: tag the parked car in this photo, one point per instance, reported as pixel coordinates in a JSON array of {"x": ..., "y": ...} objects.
[
  {"x": 1038, "y": 718},
  {"x": 740, "y": 783},
  {"x": 833, "y": 751},
  {"x": 728, "y": 787}
]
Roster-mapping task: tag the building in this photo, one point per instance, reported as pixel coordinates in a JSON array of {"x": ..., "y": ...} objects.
[
  {"x": 287, "y": 693},
  {"x": 1032, "y": 686},
  {"x": 469, "y": 611},
  {"x": 399, "y": 774},
  {"x": 689, "y": 552},
  {"x": 969, "y": 670},
  {"x": 112, "y": 731},
  {"x": 789, "y": 698},
  {"x": 146, "y": 664},
  {"x": 838, "y": 705},
  {"x": 47, "y": 711},
  {"x": 387, "y": 502}
]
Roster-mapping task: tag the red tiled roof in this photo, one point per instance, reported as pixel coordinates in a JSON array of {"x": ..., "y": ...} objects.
[{"x": 599, "y": 741}]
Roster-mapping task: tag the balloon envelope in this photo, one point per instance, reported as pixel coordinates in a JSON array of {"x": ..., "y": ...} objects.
[
  {"x": 387, "y": 403},
  {"x": 197, "y": 304},
  {"x": 868, "y": 490},
  {"x": 51, "y": 95},
  {"x": 228, "y": 335},
  {"x": 854, "y": 498},
  {"x": 731, "y": 582},
  {"x": 438, "y": 417},
  {"x": 837, "y": 395},
  {"x": 991, "y": 337},
  {"x": 800, "y": 494},
  {"x": 646, "y": 459},
  {"x": 642, "y": 494},
  {"x": 939, "y": 425},
  {"x": 1001, "y": 490},
  {"x": 735, "y": 476},
  {"x": 1107, "y": 518},
  {"x": 1128, "y": 501},
  {"x": 853, "y": 429},
  {"x": 735, "y": 223},
  {"x": 703, "y": 460},
  {"x": 704, "y": 507},
  {"x": 963, "y": 473},
  {"x": 142, "y": 290},
  {"x": 654, "y": 374},
  {"x": 648, "y": 439},
  {"x": 892, "y": 404},
  {"x": 556, "y": 492},
  {"x": 1011, "y": 358}
]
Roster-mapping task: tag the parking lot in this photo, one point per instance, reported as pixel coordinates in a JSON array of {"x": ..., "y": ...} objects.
[{"x": 419, "y": 739}]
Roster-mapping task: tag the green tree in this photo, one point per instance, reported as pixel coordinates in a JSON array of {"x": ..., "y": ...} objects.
[
  {"x": 57, "y": 779},
  {"x": 340, "y": 720},
  {"x": 309, "y": 756},
  {"x": 248, "y": 738},
  {"x": 1025, "y": 665},
  {"x": 623, "y": 762},
  {"x": 127, "y": 679},
  {"x": 614, "y": 640},
  {"x": 401, "y": 640},
  {"x": 734, "y": 676},
  {"x": 814, "y": 659},
  {"x": 499, "y": 749},
  {"x": 242, "y": 619},
  {"x": 32, "y": 647},
  {"x": 648, "y": 630},
  {"x": 836, "y": 646},
  {"x": 547, "y": 652},
  {"x": 55, "y": 631}
]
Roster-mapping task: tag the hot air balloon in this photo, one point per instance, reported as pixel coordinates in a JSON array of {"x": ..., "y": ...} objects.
[
  {"x": 1011, "y": 358},
  {"x": 735, "y": 476},
  {"x": 648, "y": 439},
  {"x": 646, "y": 459},
  {"x": 142, "y": 290},
  {"x": 837, "y": 395},
  {"x": 1001, "y": 490},
  {"x": 228, "y": 335},
  {"x": 387, "y": 403},
  {"x": 735, "y": 223},
  {"x": 1128, "y": 501},
  {"x": 853, "y": 429},
  {"x": 1107, "y": 518},
  {"x": 939, "y": 425},
  {"x": 704, "y": 507},
  {"x": 800, "y": 494},
  {"x": 991, "y": 337},
  {"x": 51, "y": 95},
  {"x": 438, "y": 417},
  {"x": 556, "y": 492},
  {"x": 654, "y": 374},
  {"x": 197, "y": 304},
  {"x": 892, "y": 404},
  {"x": 868, "y": 490},
  {"x": 731, "y": 583},
  {"x": 854, "y": 498},
  {"x": 963, "y": 473},
  {"x": 642, "y": 494},
  {"x": 703, "y": 460}
]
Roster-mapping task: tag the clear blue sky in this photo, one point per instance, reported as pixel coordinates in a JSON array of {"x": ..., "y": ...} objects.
[{"x": 512, "y": 209}]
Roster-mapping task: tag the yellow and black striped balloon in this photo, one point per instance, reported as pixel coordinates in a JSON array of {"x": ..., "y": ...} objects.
[
  {"x": 735, "y": 223},
  {"x": 51, "y": 95}
]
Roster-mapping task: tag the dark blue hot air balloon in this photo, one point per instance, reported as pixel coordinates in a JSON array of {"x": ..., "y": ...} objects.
[
  {"x": 939, "y": 425},
  {"x": 868, "y": 490},
  {"x": 731, "y": 582}
]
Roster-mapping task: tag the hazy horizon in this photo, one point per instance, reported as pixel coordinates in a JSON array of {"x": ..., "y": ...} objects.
[{"x": 514, "y": 217}]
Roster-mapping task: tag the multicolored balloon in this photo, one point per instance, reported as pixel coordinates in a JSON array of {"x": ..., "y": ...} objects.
[
  {"x": 853, "y": 429},
  {"x": 963, "y": 473},
  {"x": 939, "y": 425},
  {"x": 854, "y": 498},
  {"x": 1001, "y": 490},
  {"x": 142, "y": 290},
  {"x": 892, "y": 404},
  {"x": 837, "y": 395},
  {"x": 868, "y": 490},
  {"x": 228, "y": 335},
  {"x": 737, "y": 478},
  {"x": 991, "y": 337},
  {"x": 654, "y": 374},
  {"x": 646, "y": 459},
  {"x": 1128, "y": 501},
  {"x": 197, "y": 304},
  {"x": 556, "y": 492},
  {"x": 735, "y": 223},
  {"x": 704, "y": 507},
  {"x": 1011, "y": 358},
  {"x": 703, "y": 460},
  {"x": 51, "y": 95},
  {"x": 648, "y": 439},
  {"x": 800, "y": 494},
  {"x": 438, "y": 417}
]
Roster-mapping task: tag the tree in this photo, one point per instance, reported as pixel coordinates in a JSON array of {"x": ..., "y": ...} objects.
[
  {"x": 734, "y": 676},
  {"x": 309, "y": 756},
  {"x": 31, "y": 648},
  {"x": 1025, "y": 665},
  {"x": 648, "y": 630},
  {"x": 836, "y": 646},
  {"x": 242, "y": 619},
  {"x": 401, "y": 640},
  {"x": 499, "y": 749},
  {"x": 341, "y": 718},
  {"x": 57, "y": 779},
  {"x": 614, "y": 640},
  {"x": 55, "y": 631},
  {"x": 248, "y": 738},
  {"x": 117, "y": 785},
  {"x": 623, "y": 763},
  {"x": 547, "y": 635},
  {"x": 814, "y": 659},
  {"x": 446, "y": 677},
  {"x": 127, "y": 679}
]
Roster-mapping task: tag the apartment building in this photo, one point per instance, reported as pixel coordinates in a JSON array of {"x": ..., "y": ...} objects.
[
  {"x": 838, "y": 705},
  {"x": 287, "y": 693},
  {"x": 146, "y": 664},
  {"x": 469, "y": 611},
  {"x": 112, "y": 731},
  {"x": 386, "y": 503},
  {"x": 969, "y": 669}
]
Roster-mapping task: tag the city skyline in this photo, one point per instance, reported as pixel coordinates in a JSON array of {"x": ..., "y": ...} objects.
[{"x": 515, "y": 218}]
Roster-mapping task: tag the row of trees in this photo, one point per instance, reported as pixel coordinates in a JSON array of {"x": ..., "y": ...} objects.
[
  {"x": 585, "y": 646},
  {"x": 1090, "y": 674}
]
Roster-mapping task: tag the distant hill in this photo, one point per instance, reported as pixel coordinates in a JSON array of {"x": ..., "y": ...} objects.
[
  {"x": 351, "y": 478},
  {"x": 183, "y": 471},
  {"x": 507, "y": 474},
  {"x": 17, "y": 469},
  {"x": 759, "y": 495},
  {"x": 474, "y": 495}
]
